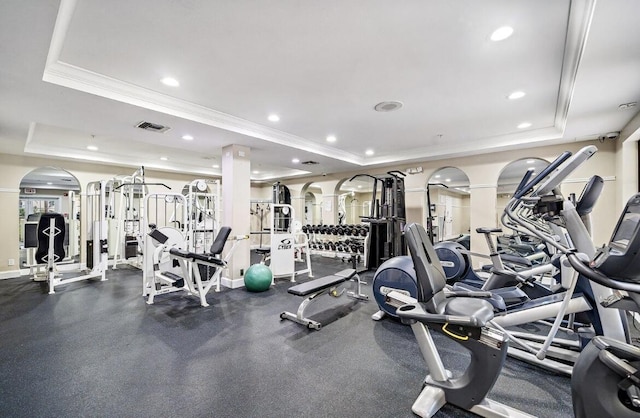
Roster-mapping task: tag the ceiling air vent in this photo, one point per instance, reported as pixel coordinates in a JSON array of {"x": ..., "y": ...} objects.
[
  {"x": 309, "y": 162},
  {"x": 153, "y": 127}
]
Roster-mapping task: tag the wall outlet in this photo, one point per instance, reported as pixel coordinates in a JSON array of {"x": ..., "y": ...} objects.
[{"x": 11, "y": 262}]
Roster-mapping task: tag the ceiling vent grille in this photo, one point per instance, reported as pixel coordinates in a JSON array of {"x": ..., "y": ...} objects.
[
  {"x": 309, "y": 162},
  {"x": 153, "y": 127}
]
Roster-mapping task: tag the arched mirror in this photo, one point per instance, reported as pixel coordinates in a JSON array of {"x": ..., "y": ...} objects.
[
  {"x": 45, "y": 190},
  {"x": 448, "y": 205},
  {"x": 354, "y": 200}
]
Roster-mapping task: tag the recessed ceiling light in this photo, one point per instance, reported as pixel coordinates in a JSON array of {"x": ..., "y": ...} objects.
[
  {"x": 369, "y": 152},
  {"x": 255, "y": 172},
  {"x": 187, "y": 137},
  {"x": 516, "y": 95},
  {"x": 502, "y": 33},
  {"x": 295, "y": 161},
  {"x": 49, "y": 183},
  {"x": 163, "y": 158},
  {"x": 437, "y": 176},
  {"x": 447, "y": 180},
  {"x": 331, "y": 138},
  {"x": 530, "y": 161},
  {"x": 92, "y": 148},
  {"x": 360, "y": 186},
  {"x": 388, "y": 106},
  {"x": 524, "y": 125},
  {"x": 273, "y": 118},
  {"x": 215, "y": 166},
  {"x": 170, "y": 81}
]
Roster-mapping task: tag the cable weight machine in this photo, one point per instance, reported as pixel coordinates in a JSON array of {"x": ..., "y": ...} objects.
[{"x": 386, "y": 219}]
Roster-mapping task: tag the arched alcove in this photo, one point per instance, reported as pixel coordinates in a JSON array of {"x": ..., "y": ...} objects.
[
  {"x": 510, "y": 177},
  {"x": 354, "y": 199},
  {"x": 312, "y": 193},
  {"x": 43, "y": 190},
  {"x": 449, "y": 198}
]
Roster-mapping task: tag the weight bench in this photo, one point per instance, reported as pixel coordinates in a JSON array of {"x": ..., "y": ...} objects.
[{"x": 318, "y": 287}]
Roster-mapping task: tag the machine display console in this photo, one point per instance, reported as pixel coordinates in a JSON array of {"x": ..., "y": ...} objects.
[{"x": 620, "y": 259}]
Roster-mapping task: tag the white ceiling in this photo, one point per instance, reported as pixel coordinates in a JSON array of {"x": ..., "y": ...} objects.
[{"x": 78, "y": 73}]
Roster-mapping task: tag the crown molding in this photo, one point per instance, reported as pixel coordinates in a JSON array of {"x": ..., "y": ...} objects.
[{"x": 68, "y": 75}]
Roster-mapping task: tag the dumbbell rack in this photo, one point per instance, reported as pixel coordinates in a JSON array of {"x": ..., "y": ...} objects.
[{"x": 339, "y": 241}]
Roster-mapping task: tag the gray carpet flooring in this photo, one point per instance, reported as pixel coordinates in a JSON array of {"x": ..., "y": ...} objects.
[{"x": 96, "y": 349}]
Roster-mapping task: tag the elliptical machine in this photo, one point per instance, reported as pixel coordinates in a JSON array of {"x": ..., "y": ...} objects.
[
  {"x": 612, "y": 365},
  {"x": 578, "y": 296}
]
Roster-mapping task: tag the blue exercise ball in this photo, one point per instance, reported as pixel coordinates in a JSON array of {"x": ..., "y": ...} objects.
[{"x": 258, "y": 278}]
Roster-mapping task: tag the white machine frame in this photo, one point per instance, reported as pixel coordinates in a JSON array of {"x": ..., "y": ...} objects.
[
  {"x": 96, "y": 227},
  {"x": 191, "y": 281},
  {"x": 125, "y": 222},
  {"x": 288, "y": 246}
]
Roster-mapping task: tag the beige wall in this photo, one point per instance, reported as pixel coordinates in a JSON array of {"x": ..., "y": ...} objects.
[{"x": 482, "y": 170}]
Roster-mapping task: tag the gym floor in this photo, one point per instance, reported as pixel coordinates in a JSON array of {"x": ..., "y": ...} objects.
[{"x": 96, "y": 349}]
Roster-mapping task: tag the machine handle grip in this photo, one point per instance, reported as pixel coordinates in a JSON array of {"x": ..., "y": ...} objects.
[{"x": 598, "y": 277}]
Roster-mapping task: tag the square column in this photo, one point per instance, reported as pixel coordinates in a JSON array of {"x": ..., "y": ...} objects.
[
  {"x": 236, "y": 195},
  {"x": 483, "y": 215}
]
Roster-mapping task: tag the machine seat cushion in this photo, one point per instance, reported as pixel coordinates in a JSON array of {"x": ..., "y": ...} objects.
[
  {"x": 207, "y": 258},
  {"x": 263, "y": 250},
  {"x": 479, "y": 310},
  {"x": 304, "y": 289},
  {"x": 178, "y": 252}
]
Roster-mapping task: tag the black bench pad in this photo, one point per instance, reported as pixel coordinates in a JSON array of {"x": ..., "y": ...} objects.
[
  {"x": 171, "y": 275},
  {"x": 207, "y": 258},
  {"x": 304, "y": 289},
  {"x": 263, "y": 250}
]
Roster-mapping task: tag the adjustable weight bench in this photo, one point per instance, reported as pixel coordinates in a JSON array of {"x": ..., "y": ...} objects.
[{"x": 318, "y": 287}]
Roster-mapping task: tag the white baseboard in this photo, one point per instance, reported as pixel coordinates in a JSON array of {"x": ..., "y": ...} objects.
[
  {"x": 11, "y": 274},
  {"x": 232, "y": 283}
]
